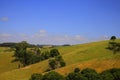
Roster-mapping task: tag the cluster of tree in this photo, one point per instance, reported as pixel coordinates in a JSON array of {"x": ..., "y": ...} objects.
[
  {"x": 56, "y": 63},
  {"x": 8, "y": 44},
  {"x": 27, "y": 57},
  {"x": 48, "y": 76},
  {"x": 85, "y": 74},
  {"x": 12, "y": 44},
  {"x": 113, "y": 46}
]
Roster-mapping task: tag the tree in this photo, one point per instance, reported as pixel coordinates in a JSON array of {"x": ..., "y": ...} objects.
[
  {"x": 21, "y": 54},
  {"x": 36, "y": 76},
  {"x": 75, "y": 76},
  {"x": 53, "y": 76},
  {"x": 76, "y": 70},
  {"x": 91, "y": 74},
  {"x": 114, "y": 46},
  {"x": 57, "y": 62},
  {"x": 52, "y": 63},
  {"x": 106, "y": 75},
  {"x": 88, "y": 70},
  {"x": 111, "y": 74},
  {"x": 58, "y": 58},
  {"x": 60, "y": 61},
  {"x": 37, "y": 51},
  {"x": 116, "y": 73},
  {"x": 46, "y": 55},
  {"x": 113, "y": 38},
  {"x": 54, "y": 52}
]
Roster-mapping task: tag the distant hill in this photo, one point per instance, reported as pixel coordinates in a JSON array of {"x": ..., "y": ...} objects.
[{"x": 93, "y": 55}]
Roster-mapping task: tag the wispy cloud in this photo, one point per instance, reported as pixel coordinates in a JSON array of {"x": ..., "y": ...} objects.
[
  {"x": 4, "y": 19},
  {"x": 44, "y": 37},
  {"x": 5, "y": 35},
  {"x": 41, "y": 33}
]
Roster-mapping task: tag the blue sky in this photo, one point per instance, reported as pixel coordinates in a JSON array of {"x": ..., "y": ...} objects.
[{"x": 59, "y": 21}]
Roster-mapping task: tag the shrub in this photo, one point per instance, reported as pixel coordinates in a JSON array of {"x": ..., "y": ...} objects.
[
  {"x": 54, "y": 52},
  {"x": 76, "y": 70},
  {"x": 75, "y": 76},
  {"x": 62, "y": 64},
  {"x": 53, "y": 76},
  {"x": 52, "y": 63},
  {"x": 106, "y": 75},
  {"x": 91, "y": 74},
  {"x": 116, "y": 73},
  {"x": 36, "y": 76}
]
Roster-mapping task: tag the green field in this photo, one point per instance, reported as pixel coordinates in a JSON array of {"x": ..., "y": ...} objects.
[{"x": 92, "y": 55}]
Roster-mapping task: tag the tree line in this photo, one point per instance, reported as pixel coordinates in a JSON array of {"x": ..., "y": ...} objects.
[{"x": 77, "y": 74}]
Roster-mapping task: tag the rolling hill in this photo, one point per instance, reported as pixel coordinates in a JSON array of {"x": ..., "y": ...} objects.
[{"x": 93, "y": 55}]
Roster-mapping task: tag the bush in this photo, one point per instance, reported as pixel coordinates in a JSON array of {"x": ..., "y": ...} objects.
[
  {"x": 54, "y": 52},
  {"x": 76, "y": 70},
  {"x": 116, "y": 73},
  {"x": 88, "y": 70},
  {"x": 106, "y": 75},
  {"x": 52, "y": 63},
  {"x": 91, "y": 74},
  {"x": 53, "y": 76},
  {"x": 36, "y": 76},
  {"x": 57, "y": 62},
  {"x": 75, "y": 76},
  {"x": 62, "y": 64},
  {"x": 60, "y": 61},
  {"x": 58, "y": 58}
]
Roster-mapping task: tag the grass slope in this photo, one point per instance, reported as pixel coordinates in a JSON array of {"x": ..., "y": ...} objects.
[
  {"x": 92, "y": 55},
  {"x": 5, "y": 60}
]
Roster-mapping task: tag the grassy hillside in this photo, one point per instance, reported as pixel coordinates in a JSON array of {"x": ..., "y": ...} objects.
[
  {"x": 93, "y": 55},
  {"x": 5, "y": 60}
]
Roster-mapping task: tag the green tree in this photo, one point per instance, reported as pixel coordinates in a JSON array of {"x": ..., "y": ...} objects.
[
  {"x": 113, "y": 38},
  {"x": 36, "y": 76},
  {"x": 37, "y": 51},
  {"x": 76, "y": 70},
  {"x": 111, "y": 74},
  {"x": 60, "y": 61},
  {"x": 53, "y": 64},
  {"x": 91, "y": 74},
  {"x": 106, "y": 75},
  {"x": 88, "y": 70},
  {"x": 75, "y": 76},
  {"x": 21, "y": 54},
  {"x": 58, "y": 58},
  {"x": 116, "y": 73},
  {"x": 54, "y": 52},
  {"x": 114, "y": 46},
  {"x": 53, "y": 76},
  {"x": 46, "y": 55}
]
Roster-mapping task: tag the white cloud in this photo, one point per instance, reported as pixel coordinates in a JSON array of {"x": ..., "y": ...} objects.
[
  {"x": 43, "y": 31},
  {"x": 5, "y": 35},
  {"x": 77, "y": 36},
  {"x": 4, "y": 19},
  {"x": 42, "y": 37}
]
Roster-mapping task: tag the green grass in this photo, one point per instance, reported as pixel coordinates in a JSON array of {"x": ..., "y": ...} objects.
[
  {"x": 5, "y": 60},
  {"x": 93, "y": 55}
]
